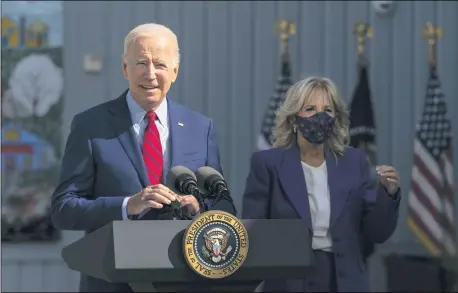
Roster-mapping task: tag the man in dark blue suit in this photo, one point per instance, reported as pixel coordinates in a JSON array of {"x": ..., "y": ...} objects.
[{"x": 117, "y": 153}]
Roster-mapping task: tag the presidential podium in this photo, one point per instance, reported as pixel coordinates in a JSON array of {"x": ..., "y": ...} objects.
[{"x": 148, "y": 255}]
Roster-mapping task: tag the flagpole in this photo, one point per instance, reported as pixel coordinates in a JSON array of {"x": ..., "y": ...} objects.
[
  {"x": 284, "y": 29},
  {"x": 362, "y": 123},
  {"x": 265, "y": 140},
  {"x": 432, "y": 33},
  {"x": 362, "y": 31}
]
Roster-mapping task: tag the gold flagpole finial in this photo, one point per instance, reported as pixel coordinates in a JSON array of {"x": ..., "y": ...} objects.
[
  {"x": 362, "y": 31},
  {"x": 432, "y": 33},
  {"x": 284, "y": 29}
]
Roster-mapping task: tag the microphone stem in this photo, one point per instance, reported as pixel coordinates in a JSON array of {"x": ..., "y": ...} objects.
[
  {"x": 233, "y": 206},
  {"x": 221, "y": 193},
  {"x": 200, "y": 199},
  {"x": 202, "y": 205}
]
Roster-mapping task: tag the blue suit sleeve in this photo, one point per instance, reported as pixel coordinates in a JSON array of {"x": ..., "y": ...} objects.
[
  {"x": 74, "y": 206},
  {"x": 213, "y": 156},
  {"x": 256, "y": 198},
  {"x": 213, "y": 160},
  {"x": 380, "y": 210}
]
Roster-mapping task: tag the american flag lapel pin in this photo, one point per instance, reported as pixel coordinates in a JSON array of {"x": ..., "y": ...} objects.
[{"x": 180, "y": 124}]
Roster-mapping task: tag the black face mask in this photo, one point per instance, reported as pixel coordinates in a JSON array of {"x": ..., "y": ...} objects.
[{"x": 317, "y": 128}]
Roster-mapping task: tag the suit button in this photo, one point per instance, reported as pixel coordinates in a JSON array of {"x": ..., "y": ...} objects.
[
  {"x": 338, "y": 254},
  {"x": 341, "y": 274}
]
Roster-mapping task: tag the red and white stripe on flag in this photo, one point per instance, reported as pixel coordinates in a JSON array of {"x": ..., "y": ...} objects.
[{"x": 431, "y": 205}]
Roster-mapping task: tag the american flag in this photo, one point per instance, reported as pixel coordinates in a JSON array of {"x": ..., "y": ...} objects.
[
  {"x": 266, "y": 137},
  {"x": 431, "y": 204}
]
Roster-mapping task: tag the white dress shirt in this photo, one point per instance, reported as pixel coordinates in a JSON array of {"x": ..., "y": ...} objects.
[
  {"x": 139, "y": 124},
  {"x": 316, "y": 179}
]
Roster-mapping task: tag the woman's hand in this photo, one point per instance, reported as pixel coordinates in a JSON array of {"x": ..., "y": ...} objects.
[{"x": 389, "y": 177}]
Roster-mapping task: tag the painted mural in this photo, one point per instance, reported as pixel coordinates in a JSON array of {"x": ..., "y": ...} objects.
[{"x": 31, "y": 103}]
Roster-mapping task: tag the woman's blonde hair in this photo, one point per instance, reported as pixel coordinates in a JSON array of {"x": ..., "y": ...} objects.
[{"x": 296, "y": 97}]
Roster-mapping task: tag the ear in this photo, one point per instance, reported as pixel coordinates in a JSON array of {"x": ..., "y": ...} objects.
[
  {"x": 175, "y": 72},
  {"x": 292, "y": 119},
  {"x": 124, "y": 67}
]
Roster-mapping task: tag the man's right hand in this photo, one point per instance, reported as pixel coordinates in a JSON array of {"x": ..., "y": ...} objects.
[{"x": 150, "y": 197}]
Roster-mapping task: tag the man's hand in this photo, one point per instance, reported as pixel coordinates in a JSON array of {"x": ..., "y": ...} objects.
[
  {"x": 190, "y": 202},
  {"x": 150, "y": 197}
]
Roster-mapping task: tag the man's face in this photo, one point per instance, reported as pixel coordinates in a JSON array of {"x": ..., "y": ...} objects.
[{"x": 150, "y": 66}]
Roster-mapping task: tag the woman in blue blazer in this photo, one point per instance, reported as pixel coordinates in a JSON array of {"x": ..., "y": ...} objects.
[{"x": 313, "y": 174}]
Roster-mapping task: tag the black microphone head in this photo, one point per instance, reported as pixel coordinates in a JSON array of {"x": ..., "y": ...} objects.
[
  {"x": 174, "y": 173},
  {"x": 202, "y": 174}
]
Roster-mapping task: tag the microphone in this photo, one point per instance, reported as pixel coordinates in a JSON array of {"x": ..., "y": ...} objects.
[
  {"x": 213, "y": 184},
  {"x": 210, "y": 180},
  {"x": 181, "y": 180}
]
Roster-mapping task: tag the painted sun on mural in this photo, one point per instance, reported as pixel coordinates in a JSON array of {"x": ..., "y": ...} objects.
[{"x": 31, "y": 97}]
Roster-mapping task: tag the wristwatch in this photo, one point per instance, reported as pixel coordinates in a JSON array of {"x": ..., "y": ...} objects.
[{"x": 132, "y": 217}]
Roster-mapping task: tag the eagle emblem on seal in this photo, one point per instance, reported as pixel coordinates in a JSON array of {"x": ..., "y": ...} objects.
[{"x": 216, "y": 248}]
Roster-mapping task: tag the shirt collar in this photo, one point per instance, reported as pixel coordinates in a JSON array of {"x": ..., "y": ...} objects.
[{"x": 137, "y": 113}]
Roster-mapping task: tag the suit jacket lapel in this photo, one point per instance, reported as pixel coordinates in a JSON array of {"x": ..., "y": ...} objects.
[
  {"x": 292, "y": 179},
  {"x": 336, "y": 182},
  {"x": 178, "y": 133},
  {"x": 124, "y": 131}
]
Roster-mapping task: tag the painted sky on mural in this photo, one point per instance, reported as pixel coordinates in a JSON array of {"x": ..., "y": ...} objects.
[{"x": 49, "y": 12}]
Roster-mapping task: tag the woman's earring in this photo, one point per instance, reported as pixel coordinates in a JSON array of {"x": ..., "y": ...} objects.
[{"x": 294, "y": 129}]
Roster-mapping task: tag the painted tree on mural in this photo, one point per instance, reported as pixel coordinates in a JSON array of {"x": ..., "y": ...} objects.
[
  {"x": 49, "y": 125},
  {"x": 36, "y": 84},
  {"x": 32, "y": 85}
]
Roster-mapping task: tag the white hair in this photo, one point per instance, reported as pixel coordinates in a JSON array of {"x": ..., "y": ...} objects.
[{"x": 150, "y": 30}]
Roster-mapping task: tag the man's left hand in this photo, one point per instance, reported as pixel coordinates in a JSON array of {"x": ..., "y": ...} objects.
[
  {"x": 389, "y": 177},
  {"x": 190, "y": 202}
]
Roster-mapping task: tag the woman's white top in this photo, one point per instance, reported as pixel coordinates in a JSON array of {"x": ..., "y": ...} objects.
[{"x": 316, "y": 179}]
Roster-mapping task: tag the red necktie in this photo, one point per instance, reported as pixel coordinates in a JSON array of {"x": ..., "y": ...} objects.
[{"x": 152, "y": 150}]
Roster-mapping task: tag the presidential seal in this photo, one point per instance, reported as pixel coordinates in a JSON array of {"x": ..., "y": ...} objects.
[{"x": 215, "y": 244}]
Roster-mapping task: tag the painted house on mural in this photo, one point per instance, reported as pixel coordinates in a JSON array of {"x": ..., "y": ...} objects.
[
  {"x": 36, "y": 35},
  {"x": 10, "y": 33},
  {"x": 23, "y": 150},
  {"x": 17, "y": 35}
]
